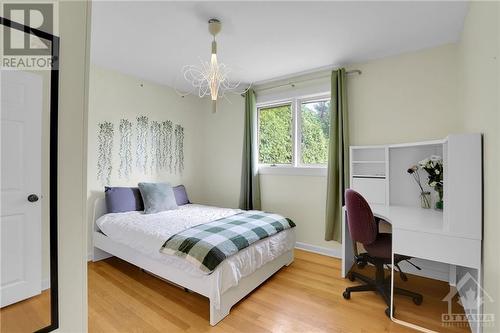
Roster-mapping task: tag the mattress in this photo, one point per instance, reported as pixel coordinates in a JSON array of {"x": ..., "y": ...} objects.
[{"x": 146, "y": 233}]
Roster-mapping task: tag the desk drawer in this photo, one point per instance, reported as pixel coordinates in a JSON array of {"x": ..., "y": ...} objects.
[{"x": 452, "y": 250}]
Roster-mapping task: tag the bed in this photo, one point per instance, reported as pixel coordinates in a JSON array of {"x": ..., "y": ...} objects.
[{"x": 137, "y": 239}]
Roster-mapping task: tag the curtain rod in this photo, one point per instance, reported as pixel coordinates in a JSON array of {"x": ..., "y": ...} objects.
[{"x": 293, "y": 83}]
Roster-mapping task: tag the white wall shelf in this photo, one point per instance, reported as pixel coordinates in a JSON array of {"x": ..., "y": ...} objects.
[
  {"x": 380, "y": 174},
  {"x": 368, "y": 170}
]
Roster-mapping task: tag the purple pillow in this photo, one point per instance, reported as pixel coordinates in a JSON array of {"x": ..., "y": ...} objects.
[
  {"x": 123, "y": 199},
  {"x": 180, "y": 195}
]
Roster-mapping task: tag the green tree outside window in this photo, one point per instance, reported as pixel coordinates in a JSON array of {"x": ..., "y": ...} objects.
[
  {"x": 275, "y": 135},
  {"x": 315, "y": 132}
]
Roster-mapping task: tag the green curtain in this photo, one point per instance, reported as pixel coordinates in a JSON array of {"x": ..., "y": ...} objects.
[
  {"x": 338, "y": 157},
  {"x": 250, "y": 188}
]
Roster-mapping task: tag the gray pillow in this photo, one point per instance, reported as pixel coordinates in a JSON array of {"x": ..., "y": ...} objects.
[
  {"x": 181, "y": 196},
  {"x": 157, "y": 197}
]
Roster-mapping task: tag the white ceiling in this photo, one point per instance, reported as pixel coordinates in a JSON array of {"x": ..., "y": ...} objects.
[{"x": 264, "y": 40}]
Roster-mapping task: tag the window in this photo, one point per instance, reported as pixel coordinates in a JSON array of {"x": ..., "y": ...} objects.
[
  {"x": 294, "y": 133},
  {"x": 275, "y": 134},
  {"x": 314, "y": 131}
]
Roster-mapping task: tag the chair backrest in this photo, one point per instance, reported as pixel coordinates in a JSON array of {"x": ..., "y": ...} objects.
[{"x": 360, "y": 220}]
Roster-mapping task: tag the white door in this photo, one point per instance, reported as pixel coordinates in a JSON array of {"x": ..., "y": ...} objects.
[{"x": 20, "y": 218}]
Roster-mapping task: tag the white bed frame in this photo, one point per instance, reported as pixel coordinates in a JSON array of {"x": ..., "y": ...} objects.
[{"x": 104, "y": 247}]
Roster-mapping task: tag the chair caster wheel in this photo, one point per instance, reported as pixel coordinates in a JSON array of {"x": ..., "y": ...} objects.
[
  {"x": 346, "y": 295},
  {"x": 351, "y": 277},
  {"x": 388, "y": 311},
  {"x": 417, "y": 300}
]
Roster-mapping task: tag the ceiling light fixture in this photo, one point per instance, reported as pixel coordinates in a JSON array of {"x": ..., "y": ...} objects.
[{"x": 211, "y": 78}]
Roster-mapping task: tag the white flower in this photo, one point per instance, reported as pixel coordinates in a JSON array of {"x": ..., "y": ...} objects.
[
  {"x": 423, "y": 162},
  {"x": 432, "y": 184},
  {"x": 437, "y": 172}
]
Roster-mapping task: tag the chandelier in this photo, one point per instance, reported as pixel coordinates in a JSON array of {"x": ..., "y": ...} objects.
[{"x": 212, "y": 77}]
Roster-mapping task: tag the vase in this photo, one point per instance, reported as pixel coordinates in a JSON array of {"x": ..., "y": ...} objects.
[
  {"x": 439, "y": 200},
  {"x": 425, "y": 200}
]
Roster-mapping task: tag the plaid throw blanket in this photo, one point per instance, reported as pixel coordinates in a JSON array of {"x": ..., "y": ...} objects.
[{"x": 209, "y": 244}]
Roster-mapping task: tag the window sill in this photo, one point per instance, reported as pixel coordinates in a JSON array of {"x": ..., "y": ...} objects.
[{"x": 293, "y": 171}]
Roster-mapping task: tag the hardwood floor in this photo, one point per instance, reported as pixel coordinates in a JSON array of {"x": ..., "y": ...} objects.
[
  {"x": 304, "y": 297},
  {"x": 26, "y": 316}
]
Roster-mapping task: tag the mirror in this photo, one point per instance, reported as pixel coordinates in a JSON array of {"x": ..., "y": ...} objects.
[{"x": 28, "y": 184}]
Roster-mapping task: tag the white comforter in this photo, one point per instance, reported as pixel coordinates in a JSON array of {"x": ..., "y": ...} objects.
[{"x": 147, "y": 233}]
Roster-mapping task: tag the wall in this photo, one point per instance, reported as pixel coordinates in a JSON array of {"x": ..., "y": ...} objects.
[
  {"x": 303, "y": 199},
  {"x": 114, "y": 96},
  {"x": 411, "y": 97},
  {"x": 222, "y": 151},
  {"x": 74, "y": 28},
  {"x": 478, "y": 61}
]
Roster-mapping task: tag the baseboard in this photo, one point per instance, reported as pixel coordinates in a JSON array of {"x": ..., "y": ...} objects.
[{"x": 336, "y": 253}]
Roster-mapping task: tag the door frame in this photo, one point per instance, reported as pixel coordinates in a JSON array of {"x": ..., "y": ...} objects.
[{"x": 53, "y": 147}]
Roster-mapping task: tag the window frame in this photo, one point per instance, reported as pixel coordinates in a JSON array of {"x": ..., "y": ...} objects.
[{"x": 296, "y": 167}]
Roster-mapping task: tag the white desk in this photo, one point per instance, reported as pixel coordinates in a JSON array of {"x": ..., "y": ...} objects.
[
  {"x": 451, "y": 237},
  {"x": 420, "y": 233}
]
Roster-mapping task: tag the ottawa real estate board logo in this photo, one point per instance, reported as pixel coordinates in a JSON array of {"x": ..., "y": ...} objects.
[
  {"x": 468, "y": 293},
  {"x": 22, "y": 50}
]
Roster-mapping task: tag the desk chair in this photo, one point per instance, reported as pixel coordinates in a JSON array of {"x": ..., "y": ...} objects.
[{"x": 363, "y": 228}]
